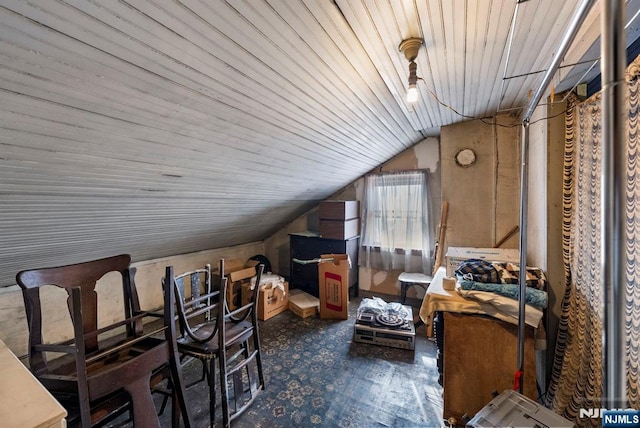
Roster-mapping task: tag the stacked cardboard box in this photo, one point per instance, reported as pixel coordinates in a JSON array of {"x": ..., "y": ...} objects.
[
  {"x": 238, "y": 273},
  {"x": 339, "y": 219}
]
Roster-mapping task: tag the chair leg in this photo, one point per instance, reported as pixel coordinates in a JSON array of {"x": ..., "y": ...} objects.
[
  {"x": 254, "y": 385},
  {"x": 165, "y": 396},
  {"x": 225, "y": 393},
  {"x": 238, "y": 390},
  {"x": 184, "y": 361},
  {"x": 259, "y": 366},
  {"x": 179, "y": 402},
  {"x": 403, "y": 291},
  {"x": 212, "y": 392},
  {"x": 175, "y": 409},
  {"x": 245, "y": 348},
  {"x": 163, "y": 406},
  {"x": 141, "y": 416}
]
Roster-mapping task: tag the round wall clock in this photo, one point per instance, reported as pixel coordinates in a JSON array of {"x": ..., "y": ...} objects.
[{"x": 465, "y": 158}]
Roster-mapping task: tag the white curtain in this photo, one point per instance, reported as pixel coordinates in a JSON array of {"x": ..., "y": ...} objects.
[{"x": 397, "y": 226}]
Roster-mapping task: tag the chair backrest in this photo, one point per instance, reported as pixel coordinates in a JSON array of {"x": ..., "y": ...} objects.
[
  {"x": 79, "y": 280},
  {"x": 197, "y": 301},
  {"x": 102, "y": 371}
]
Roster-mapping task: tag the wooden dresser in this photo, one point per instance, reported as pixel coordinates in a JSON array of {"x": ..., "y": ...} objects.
[
  {"x": 481, "y": 356},
  {"x": 306, "y": 246}
]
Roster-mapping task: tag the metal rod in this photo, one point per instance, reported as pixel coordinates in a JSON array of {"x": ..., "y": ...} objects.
[
  {"x": 614, "y": 180},
  {"x": 542, "y": 71},
  {"x": 572, "y": 30},
  {"x": 524, "y": 193},
  {"x": 506, "y": 64}
]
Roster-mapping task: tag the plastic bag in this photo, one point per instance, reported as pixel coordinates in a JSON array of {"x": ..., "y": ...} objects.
[{"x": 378, "y": 306}]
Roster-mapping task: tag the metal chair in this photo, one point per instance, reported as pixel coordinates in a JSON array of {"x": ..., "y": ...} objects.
[{"x": 101, "y": 372}]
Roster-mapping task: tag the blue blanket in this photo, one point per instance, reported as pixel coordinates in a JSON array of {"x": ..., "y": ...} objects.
[{"x": 533, "y": 296}]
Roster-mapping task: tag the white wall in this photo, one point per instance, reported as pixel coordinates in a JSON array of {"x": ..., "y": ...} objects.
[
  {"x": 537, "y": 191},
  {"x": 544, "y": 237},
  {"x": 148, "y": 276}
]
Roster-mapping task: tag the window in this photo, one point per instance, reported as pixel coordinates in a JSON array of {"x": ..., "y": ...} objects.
[{"x": 397, "y": 231}]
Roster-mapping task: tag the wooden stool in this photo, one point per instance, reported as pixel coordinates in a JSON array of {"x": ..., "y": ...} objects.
[{"x": 408, "y": 279}]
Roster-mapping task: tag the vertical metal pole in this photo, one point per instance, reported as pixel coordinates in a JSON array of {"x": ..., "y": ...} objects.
[
  {"x": 613, "y": 180},
  {"x": 567, "y": 39},
  {"x": 524, "y": 197}
]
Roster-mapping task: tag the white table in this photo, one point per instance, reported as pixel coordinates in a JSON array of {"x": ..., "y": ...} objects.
[
  {"x": 24, "y": 402},
  {"x": 409, "y": 279}
]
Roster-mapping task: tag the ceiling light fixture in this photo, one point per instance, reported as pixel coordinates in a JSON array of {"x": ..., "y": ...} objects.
[{"x": 410, "y": 49}]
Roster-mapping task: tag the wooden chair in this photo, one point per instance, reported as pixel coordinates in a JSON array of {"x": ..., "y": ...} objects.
[
  {"x": 194, "y": 304},
  {"x": 101, "y": 372},
  {"x": 241, "y": 373},
  {"x": 207, "y": 331}
]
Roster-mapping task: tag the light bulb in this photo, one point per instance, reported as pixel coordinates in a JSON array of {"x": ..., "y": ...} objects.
[{"x": 412, "y": 94}]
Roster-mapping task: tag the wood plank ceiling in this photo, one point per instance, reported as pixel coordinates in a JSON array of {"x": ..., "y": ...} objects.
[{"x": 162, "y": 127}]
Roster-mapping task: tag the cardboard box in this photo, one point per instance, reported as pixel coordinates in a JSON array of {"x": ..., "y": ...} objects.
[
  {"x": 244, "y": 273},
  {"x": 238, "y": 269},
  {"x": 339, "y": 229},
  {"x": 339, "y": 210},
  {"x": 234, "y": 294},
  {"x": 231, "y": 265},
  {"x": 272, "y": 301},
  {"x": 457, "y": 255},
  {"x": 238, "y": 272},
  {"x": 250, "y": 263},
  {"x": 246, "y": 293},
  {"x": 303, "y": 304},
  {"x": 333, "y": 281}
]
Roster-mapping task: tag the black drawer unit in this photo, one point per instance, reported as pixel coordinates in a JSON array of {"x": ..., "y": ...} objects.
[{"x": 308, "y": 247}]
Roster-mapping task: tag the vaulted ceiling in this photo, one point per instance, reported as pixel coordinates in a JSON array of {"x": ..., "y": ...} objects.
[{"x": 161, "y": 127}]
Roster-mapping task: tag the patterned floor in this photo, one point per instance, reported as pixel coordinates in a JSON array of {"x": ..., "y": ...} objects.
[{"x": 316, "y": 376}]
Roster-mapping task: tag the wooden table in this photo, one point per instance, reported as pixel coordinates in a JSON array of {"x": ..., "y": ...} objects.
[{"x": 24, "y": 402}]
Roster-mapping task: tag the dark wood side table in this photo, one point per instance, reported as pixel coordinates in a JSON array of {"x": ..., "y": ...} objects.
[{"x": 306, "y": 246}]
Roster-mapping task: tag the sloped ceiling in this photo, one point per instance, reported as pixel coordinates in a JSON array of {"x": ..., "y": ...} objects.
[{"x": 160, "y": 127}]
